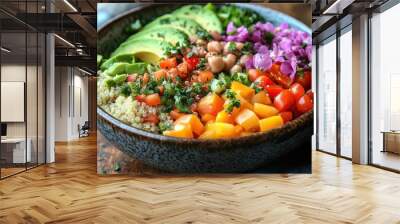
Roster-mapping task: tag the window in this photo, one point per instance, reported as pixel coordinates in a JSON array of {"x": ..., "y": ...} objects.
[
  {"x": 327, "y": 96},
  {"x": 346, "y": 95},
  {"x": 385, "y": 89}
]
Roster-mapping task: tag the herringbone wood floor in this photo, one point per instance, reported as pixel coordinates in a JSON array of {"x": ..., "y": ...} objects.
[{"x": 70, "y": 191}]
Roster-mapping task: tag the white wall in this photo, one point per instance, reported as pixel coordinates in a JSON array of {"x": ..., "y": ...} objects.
[{"x": 71, "y": 94}]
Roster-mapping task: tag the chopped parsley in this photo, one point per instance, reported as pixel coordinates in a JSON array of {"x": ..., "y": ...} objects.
[
  {"x": 231, "y": 46},
  {"x": 242, "y": 78},
  {"x": 268, "y": 38},
  {"x": 232, "y": 101},
  {"x": 247, "y": 48}
]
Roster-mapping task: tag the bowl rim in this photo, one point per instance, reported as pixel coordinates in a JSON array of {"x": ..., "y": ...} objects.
[
  {"x": 304, "y": 118},
  {"x": 131, "y": 129}
]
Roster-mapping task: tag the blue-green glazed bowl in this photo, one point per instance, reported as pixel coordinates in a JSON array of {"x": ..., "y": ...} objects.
[{"x": 180, "y": 155}]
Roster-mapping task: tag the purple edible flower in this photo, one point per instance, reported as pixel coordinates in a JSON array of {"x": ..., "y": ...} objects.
[
  {"x": 249, "y": 63},
  {"x": 262, "y": 61},
  {"x": 289, "y": 67}
]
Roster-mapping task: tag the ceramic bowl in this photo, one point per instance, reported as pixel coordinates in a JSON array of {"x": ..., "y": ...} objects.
[{"x": 196, "y": 155}]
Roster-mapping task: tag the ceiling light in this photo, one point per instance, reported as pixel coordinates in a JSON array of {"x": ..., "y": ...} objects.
[
  {"x": 5, "y": 50},
  {"x": 64, "y": 40},
  {"x": 337, "y": 7},
  {"x": 70, "y": 5},
  {"x": 84, "y": 71}
]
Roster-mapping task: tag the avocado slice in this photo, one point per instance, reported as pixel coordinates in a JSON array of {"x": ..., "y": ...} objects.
[
  {"x": 125, "y": 68},
  {"x": 168, "y": 34},
  {"x": 129, "y": 58},
  {"x": 147, "y": 50},
  {"x": 205, "y": 17},
  {"x": 186, "y": 25}
]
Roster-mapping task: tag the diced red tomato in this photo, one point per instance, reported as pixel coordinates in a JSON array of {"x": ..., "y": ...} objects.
[
  {"x": 131, "y": 78},
  {"x": 151, "y": 118},
  {"x": 160, "y": 89},
  {"x": 284, "y": 100},
  {"x": 168, "y": 63},
  {"x": 205, "y": 76},
  {"x": 297, "y": 90},
  {"x": 192, "y": 62},
  {"x": 304, "y": 104},
  {"x": 140, "y": 98},
  {"x": 263, "y": 81},
  {"x": 145, "y": 78},
  {"x": 286, "y": 116},
  {"x": 304, "y": 79},
  {"x": 182, "y": 70},
  {"x": 273, "y": 90},
  {"x": 153, "y": 99},
  {"x": 160, "y": 74}
]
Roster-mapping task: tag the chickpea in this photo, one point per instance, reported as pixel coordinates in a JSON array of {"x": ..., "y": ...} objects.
[
  {"x": 235, "y": 69},
  {"x": 229, "y": 61},
  {"x": 215, "y": 35},
  {"x": 201, "y": 52},
  {"x": 229, "y": 47},
  {"x": 214, "y": 46},
  {"x": 216, "y": 63},
  {"x": 239, "y": 45},
  {"x": 243, "y": 59}
]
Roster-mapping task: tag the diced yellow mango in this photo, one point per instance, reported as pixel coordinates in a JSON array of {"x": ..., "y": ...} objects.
[
  {"x": 224, "y": 117},
  {"x": 248, "y": 120},
  {"x": 209, "y": 134},
  {"x": 245, "y": 133},
  {"x": 271, "y": 123},
  {"x": 210, "y": 104},
  {"x": 261, "y": 97},
  {"x": 243, "y": 90},
  {"x": 180, "y": 131},
  {"x": 222, "y": 130},
  {"x": 194, "y": 122},
  {"x": 238, "y": 130},
  {"x": 264, "y": 111},
  {"x": 207, "y": 117}
]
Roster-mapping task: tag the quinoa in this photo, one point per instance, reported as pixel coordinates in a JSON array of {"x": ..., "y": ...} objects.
[{"x": 129, "y": 110}]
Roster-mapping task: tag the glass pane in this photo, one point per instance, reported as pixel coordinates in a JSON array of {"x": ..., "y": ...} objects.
[
  {"x": 346, "y": 94},
  {"x": 13, "y": 85},
  {"x": 327, "y": 96},
  {"x": 385, "y": 84},
  {"x": 31, "y": 100},
  {"x": 41, "y": 99}
]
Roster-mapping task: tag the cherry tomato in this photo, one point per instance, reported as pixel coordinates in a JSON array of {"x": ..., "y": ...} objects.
[
  {"x": 151, "y": 118},
  {"x": 279, "y": 78},
  {"x": 286, "y": 116},
  {"x": 304, "y": 104},
  {"x": 205, "y": 76},
  {"x": 297, "y": 90},
  {"x": 153, "y": 99},
  {"x": 192, "y": 62},
  {"x": 310, "y": 94},
  {"x": 284, "y": 100},
  {"x": 304, "y": 79},
  {"x": 263, "y": 81},
  {"x": 168, "y": 63},
  {"x": 273, "y": 90}
]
